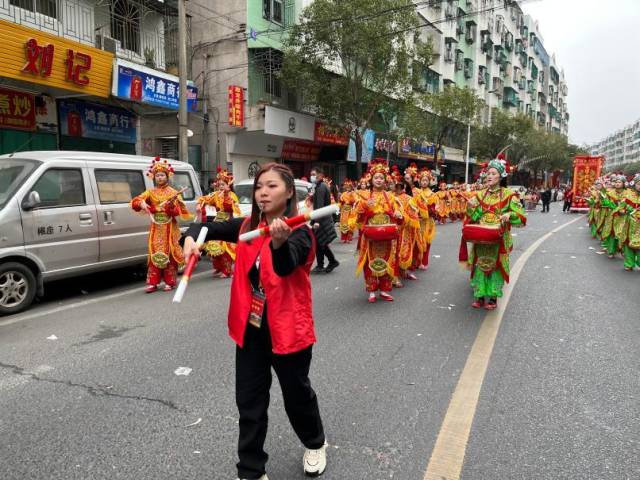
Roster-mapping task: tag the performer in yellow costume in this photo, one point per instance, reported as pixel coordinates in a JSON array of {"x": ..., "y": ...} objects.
[
  {"x": 347, "y": 201},
  {"x": 612, "y": 223},
  {"x": 425, "y": 201},
  {"x": 164, "y": 205},
  {"x": 629, "y": 236},
  {"x": 223, "y": 254},
  {"x": 378, "y": 216},
  {"x": 443, "y": 203},
  {"x": 410, "y": 227}
]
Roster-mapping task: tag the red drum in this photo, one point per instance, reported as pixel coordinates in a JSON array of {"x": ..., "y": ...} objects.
[
  {"x": 483, "y": 234},
  {"x": 380, "y": 232}
]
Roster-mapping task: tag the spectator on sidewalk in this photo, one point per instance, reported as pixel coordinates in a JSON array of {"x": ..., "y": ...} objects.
[{"x": 324, "y": 229}]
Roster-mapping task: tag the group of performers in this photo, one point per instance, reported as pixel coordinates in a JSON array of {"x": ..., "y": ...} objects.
[
  {"x": 394, "y": 215},
  {"x": 614, "y": 216},
  {"x": 165, "y": 206}
]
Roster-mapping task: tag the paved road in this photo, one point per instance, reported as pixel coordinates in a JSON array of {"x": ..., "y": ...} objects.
[{"x": 560, "y": 397}]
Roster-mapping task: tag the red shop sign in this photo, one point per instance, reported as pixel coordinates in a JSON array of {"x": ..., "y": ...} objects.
[
  {"x": 330, "y": 135},
  {"x": 300, "y": 151},
  {"x": 236, "y": 106},
  {"x": 17, "y": 110}
]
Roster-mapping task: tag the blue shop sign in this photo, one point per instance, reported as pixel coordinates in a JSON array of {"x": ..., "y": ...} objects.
[
  {"x": 140, "y": 84},
  {"x": 93, "y": 120}
]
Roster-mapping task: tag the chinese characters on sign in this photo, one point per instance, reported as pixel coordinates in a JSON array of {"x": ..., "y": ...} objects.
[
  {"x": 135, "y": 83},
  {"x": 236, "y": 106},
  {"x": 331, "y": 135},
  {"x": 17, "y": 110},
  {"x": 92, "y": 120},
  {"x": 40, "y": 62},
  {"x": 300, "y": 151}
]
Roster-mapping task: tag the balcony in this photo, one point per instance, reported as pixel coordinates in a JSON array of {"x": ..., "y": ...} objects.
[
  {"x": 459, "y": 61},
  {"x": 482, "y": 71},
  {"x": 470, "y": 36},
  {"x": 468, "y": 68},
  {"x": 265, "y": 85},
  {"x": 510, "y": 98},
  {"x": 542, "y": 119},
  {"x": 137, "y": 30}
]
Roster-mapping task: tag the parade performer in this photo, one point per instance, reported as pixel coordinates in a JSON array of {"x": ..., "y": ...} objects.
[
  {"x": 347, "y": 201},
  {"x": 613, "y": 220},
  {"x": 222, "y": 254},
  {"x": 425, "y": 201},
  {"x": 498, "y": 208},
  {"x": 455, "y": 212},
  {"x": 443, "y": 205},
  {"x": 593, "y": 201},
  {"x": 629, "y": 235},
  {"x": 378, "y": 218},
  {"x": 271, "y": 320},
  {"x": 164, "y": 205},
  {"x": 410, "y": 226}
]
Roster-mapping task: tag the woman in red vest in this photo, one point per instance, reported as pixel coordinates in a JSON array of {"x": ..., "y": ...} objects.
[{"x": 271, "y": 320}]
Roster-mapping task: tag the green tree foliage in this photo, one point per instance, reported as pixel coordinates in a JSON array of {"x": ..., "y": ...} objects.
[
  {"x": 440, "y": 117},
  {"x": 352, "y": 59}
]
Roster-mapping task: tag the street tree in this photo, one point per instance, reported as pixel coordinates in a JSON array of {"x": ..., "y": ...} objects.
[
  {"x": 441, "y": 117},
  {"x": 351, "y": 60}
]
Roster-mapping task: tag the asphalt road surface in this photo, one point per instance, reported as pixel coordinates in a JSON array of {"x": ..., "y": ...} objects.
[{"x": 89, "y": 390}]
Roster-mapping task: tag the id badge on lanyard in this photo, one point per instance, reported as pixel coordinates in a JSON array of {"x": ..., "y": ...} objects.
[{"x": 257, "y": 302}]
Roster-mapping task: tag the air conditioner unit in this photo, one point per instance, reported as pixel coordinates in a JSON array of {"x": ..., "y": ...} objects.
[{"x": 107, "y": 44}]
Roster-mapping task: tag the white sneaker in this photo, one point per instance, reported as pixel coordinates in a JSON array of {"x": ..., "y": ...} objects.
[
  {"x": 314, "y": 462},
  {"x": 263, "y": 477}
]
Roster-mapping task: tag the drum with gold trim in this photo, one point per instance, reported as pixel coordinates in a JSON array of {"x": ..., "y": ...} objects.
[
  {"x": 482, "y": 234},
  {"x": 380, "y": 232}
]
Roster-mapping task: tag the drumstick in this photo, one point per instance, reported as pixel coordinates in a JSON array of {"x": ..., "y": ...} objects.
[
  {"x": 193, "y": 261},
  {"x": 292, "y": 222}
]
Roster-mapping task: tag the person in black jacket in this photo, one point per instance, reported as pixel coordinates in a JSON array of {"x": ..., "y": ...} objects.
[
  {"x": 324, "y": 229},
  {"x": 546, "y": 199}
]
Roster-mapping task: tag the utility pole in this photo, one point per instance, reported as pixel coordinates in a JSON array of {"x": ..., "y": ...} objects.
[
  {"x": 466, "y": 163},
  {"x": 183, "y": 122},
  {"x": 205, "y": 118}
]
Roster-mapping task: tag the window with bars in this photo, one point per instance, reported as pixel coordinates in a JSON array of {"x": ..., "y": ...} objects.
[
  {"x": 278, "y": 11},
  {"x": 44, "y": 7},
  {"x": 125, "y": 24}
]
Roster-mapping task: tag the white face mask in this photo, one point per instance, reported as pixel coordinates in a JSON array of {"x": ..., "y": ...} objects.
[{"x": 313, "y": 179}]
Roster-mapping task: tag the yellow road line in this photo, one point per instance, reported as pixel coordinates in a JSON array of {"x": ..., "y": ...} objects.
[{"x": 448, "y": 453}]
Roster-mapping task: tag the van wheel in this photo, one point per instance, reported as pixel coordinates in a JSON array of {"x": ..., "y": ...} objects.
[{"x": 17, "y": 287}]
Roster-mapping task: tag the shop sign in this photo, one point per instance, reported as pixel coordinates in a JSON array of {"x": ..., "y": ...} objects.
[
  {"x": 285, "y": 123},
  {"x": 368, "y": 141},
  {"x": 300, "y": 151},
  {"x": 141, "y": 84},
  {"x": 236, "y": 106},
  {"x": 91, "y": 120},
  {"x": 414, "y": 150},
  {"x": 329, "y": 135},
  {"x": 38, "y": 57},
  {"x": 17, "y": 110}
]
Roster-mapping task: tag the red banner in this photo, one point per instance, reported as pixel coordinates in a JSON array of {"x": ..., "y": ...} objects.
[
  {"x": 17, "y": 110},
  {"x": 586, "y": 170},
  {"x": 330, "y": 135},
  {"x": 300, "y": 151},
  {"x": 236, "y": 106}
]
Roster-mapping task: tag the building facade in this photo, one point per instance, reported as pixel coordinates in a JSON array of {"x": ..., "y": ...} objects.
[
  {"x": 621, "y": 147},
  {"x": 499, "y": 52},
  {"x": 87, "y": 74}
]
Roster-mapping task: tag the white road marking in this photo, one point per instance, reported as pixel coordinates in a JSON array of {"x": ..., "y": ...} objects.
[{"x": 70, "y": 306}]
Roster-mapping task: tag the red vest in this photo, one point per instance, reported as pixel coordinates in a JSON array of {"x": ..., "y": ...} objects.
[{"x": 288, "y": 299}]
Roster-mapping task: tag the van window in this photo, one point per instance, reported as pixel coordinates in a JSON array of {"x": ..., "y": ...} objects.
[
  {"x": 181, "y": 180},
  {"x": 13, "y": 173},
  {"x": 60, "y": 187},
  {"x": 119, "y": 186}
]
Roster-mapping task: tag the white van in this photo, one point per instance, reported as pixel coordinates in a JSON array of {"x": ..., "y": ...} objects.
[{"x": 64, "y": 214}]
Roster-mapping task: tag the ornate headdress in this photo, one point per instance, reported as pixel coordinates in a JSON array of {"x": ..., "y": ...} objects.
[
  {"x": 223, "y": 175},
  {"x": 365, "y": 178},
  {"x": 635, "y": 180},
  {"x": 618, "y": 177},
  {"x": 412, "y": 170},
  {"x": 396, "y": 175},
  {"x": 160, "y": 165},
  {"x": 500, "y": 165},
  {"x": 347, "y": 183},
  {"x": 425, "y": 173},
  {"x": 379, "y": 165}
]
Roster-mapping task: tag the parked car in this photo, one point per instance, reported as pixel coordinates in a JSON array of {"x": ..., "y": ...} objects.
[
  {"x": 244, "y": 189},
  {"x": 64, "y": 214}
]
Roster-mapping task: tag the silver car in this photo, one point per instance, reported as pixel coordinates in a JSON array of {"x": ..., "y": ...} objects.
[{"x": 64, "y": 214}]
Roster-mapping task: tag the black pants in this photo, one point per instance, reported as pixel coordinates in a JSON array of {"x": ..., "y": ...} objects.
[
  {"x": 253, "y": 382},
  {"x": 566, "y": 207},
  {"x": 545, "y": 206},
  {"x": 324, "y": 251}
]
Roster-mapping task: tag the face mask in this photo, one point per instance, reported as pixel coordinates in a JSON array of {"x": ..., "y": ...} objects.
[{"x": 313, "y": 179}]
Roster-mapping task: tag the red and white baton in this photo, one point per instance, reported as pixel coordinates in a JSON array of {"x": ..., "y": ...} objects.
[
  {"x": 188, "y": 271},
  {"x": 292, "y": 222}
]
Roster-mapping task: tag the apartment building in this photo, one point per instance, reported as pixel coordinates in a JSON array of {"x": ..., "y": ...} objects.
[
  {"x": 499, "y": 52},
  {"x": 88, "y": 75},
  {"x": 621, "y": 147}
]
